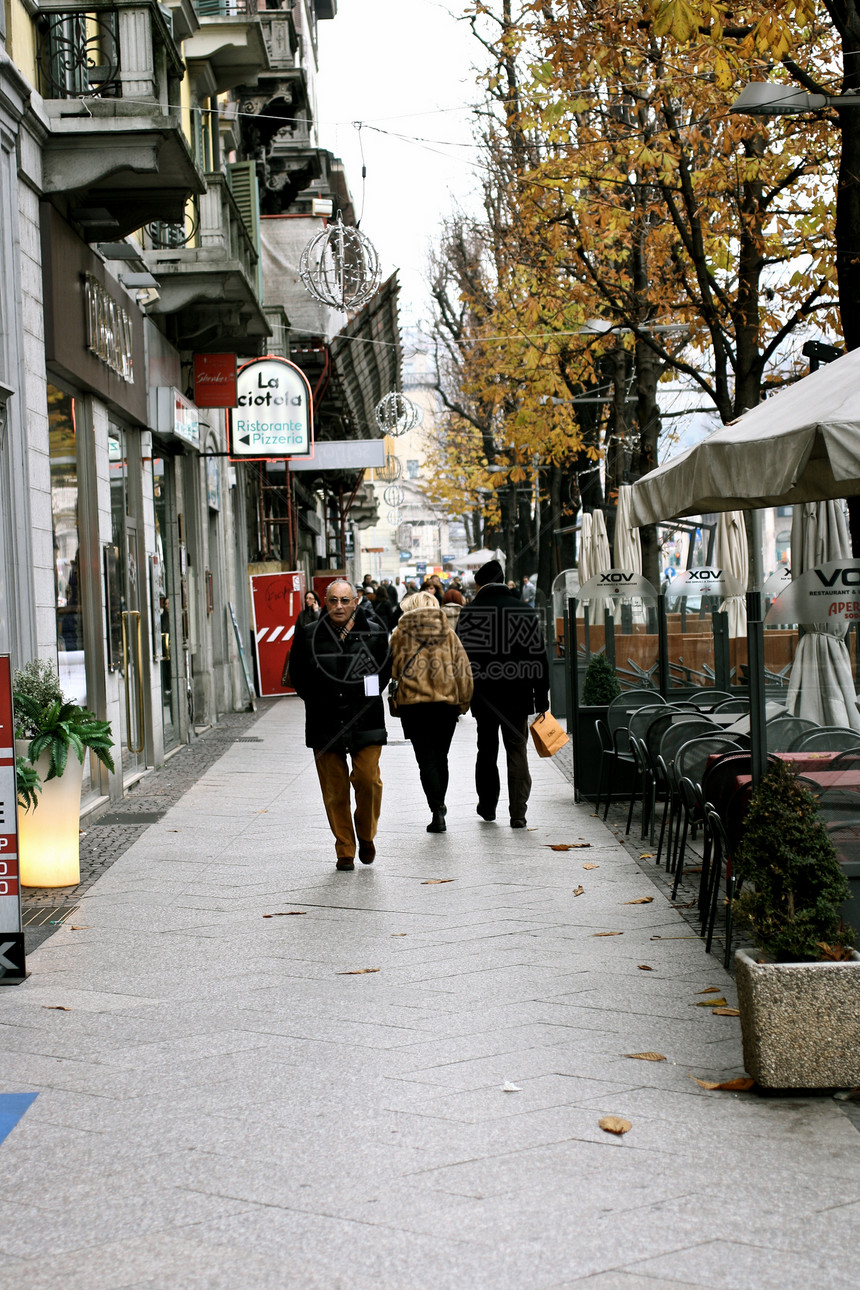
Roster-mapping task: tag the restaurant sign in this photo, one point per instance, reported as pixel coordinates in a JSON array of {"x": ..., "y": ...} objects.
[
  {"x": 705, "y": 582},
  {"x": 829, "y": 593},
  {"x": 622, "y": 586},
  {"x": 273, "y": 417}
]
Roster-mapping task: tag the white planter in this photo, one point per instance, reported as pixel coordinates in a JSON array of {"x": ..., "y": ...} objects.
[
  {"x": 800, "y": 1022},
  {"x": 49, "y": 835}
]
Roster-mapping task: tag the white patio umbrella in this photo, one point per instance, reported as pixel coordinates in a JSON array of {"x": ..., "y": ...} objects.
[
  {"x": 628, "y": 544},
  {"x": 821, "y": 687},
  {"x": 601, "y": 557},
  {"x": 583, "y": 555},
  {"x": 475, "y": 559},
  {"x": 800, "y": 445},
  {"x": 732, "y": 556}
]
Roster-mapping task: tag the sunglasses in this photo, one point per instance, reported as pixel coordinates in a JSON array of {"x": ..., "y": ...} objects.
[{"x": 339, "y": 600}]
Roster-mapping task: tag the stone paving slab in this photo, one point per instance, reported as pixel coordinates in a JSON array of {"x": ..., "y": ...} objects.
[{"x": 222, "y": 1103}]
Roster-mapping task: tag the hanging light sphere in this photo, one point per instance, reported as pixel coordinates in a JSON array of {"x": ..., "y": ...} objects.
[
  {"x": 396, "y": 415},
  {"x": 394, "y": 495},
  {"x": 390, "y": 471},
  {"x": 394, "y": 519},
  {"x": 340, "y": 267}
]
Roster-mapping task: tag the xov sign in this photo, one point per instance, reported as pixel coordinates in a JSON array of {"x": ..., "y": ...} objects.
[{"x": 273, "y": 417}]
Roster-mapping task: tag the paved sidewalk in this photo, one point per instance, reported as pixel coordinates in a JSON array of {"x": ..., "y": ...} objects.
[{"x": 222, "y": 1103}]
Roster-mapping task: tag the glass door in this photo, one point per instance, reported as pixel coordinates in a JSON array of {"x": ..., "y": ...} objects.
[
  {"x": 163, "y": 601},
  {"x": 124, "y": 526}
]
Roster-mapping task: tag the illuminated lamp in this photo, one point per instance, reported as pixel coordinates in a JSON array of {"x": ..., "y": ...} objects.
[{"x": 49, "y": 834}]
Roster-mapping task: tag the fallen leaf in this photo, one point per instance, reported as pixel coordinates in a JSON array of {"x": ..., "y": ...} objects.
[
  {"x": 689, "y": 905},
  {"x": 647, "y": 855},
  {"x": 739, "y": 1085},
  {"x": 647, "y": 1057},
  {"x": 710, "y": 989},
  {"x": 711, "y": 1003},
  {"x": 357, "y": 972},
  {"x": 435, "y": 882},
  {"x": 507, "y": 1087},
  {"x": 399, "y": 933},
  {"x": 56, "y": 1007},
  {"x": 725, "y": 1012},
  {"x": 643, "y": 967},
  {"x": 579, "y": 891},
  {"x": 285, "y": 913},
  {"x": 642, "y": 900},
  {"x": 85, "y": 927},
  {"x": 567, "y": 846},
  {"x": 591, "y": 865},
  {"x": 607, "y": 933},
  {"x": 693, "y": 937},
  {"x": 615, "y": 1124}
]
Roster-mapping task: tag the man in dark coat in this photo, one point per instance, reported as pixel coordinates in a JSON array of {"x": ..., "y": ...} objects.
[
  {"x": 340, "y": 666},
  {"x": 504, "y": 641}
]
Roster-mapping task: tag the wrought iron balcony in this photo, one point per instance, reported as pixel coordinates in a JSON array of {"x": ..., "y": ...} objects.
[
  {"x": 230, "y": 42},
  {"x": 110, "y": 75}
]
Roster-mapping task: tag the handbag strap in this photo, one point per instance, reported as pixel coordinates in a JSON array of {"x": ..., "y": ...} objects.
[{"x": 412, "y": 660}]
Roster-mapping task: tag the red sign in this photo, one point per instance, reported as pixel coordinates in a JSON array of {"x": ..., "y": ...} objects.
[
  {"x": 10, "y": 909},
  {"x": 277, "y": 599},
  {"x": 215, "y": 380}
]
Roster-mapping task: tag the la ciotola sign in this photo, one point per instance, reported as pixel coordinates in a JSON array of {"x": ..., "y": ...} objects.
[{"x": 273, "y": 417}]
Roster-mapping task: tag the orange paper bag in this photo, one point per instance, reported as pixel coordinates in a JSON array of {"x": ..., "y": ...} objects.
[{"x": 547, "y": 734}]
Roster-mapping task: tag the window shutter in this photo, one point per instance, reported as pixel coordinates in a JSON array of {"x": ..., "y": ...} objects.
[{"x": 242, "y": 179}]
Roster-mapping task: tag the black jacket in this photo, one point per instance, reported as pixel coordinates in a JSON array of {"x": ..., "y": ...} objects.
[
  {"x": 328, "y": 673},
  {"x": 503, "y": 638}
]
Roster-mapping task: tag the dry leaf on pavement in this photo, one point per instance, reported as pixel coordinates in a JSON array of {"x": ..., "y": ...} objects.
[
  {"x": 643, "y": 967},
  {"x": 399, "y": 933},
  {"x": 643, "y": 900},
  {"x": 566, "y": 846},
  {"x": 591, "y": 865},
  {"x": 710, "y": 989},
  {"x": 285, "y": 913},
  {"x": 712, "y": 1003},
  {"x": 614, "y": 1124},
  {"x": 647, "y": 1057},
  {"x": 357, "y": 972},
  {"x": 83, "y": 927},
  {"x": 607, "y": 933},
  {"x": 56, "y": 1007},
  {"x": 725, "y": 1012},
  {"x": 647, "y": 855},
  {"x": 739, "y": 1085},
  {"x": 579, "y": 891},
  {"x": 436, "y": 882}
]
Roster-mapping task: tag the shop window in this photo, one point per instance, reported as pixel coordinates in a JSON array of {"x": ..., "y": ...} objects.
[{"x": 67, "y": 556}]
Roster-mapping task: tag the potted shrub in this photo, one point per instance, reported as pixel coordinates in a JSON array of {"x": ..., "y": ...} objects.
[
  {"x": 799, "y": 993},
  {"x": 47, "y": 729},
  {"x": 600, "y": 684}
]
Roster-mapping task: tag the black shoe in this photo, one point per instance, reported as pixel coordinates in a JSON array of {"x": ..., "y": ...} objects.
[
  {"x": 437, "y": 824},
  {"x": 366, "y": 852},
  {"x": 345, "y": 862},
  {"x": 486, "y": 812},
  {"x": 518, "y": 824}
]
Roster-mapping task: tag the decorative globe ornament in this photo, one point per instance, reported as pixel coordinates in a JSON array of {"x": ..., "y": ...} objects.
[
  {"x": 394, "y": 495},
  {"x": 397, "y": 415},
  {"x": 394, "y": 519},
  {"x": 340, "y": 267},
  {"x": 390, "y": 471}
]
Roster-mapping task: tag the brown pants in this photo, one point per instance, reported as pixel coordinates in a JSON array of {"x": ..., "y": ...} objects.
[{"x": 366, "y": 780}]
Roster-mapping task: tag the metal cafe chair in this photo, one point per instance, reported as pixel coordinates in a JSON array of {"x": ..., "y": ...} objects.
[
  {"x": 737, "y": 704},
  {"x": 720, "y": 865},
  {"x": 617, "y": 720},
  {"x": 637, "y": 727},
  {"x": 690, "y": 762},
  {"x": 707, "y": 698},
  {"x": 827, "y": 739},
  {"x": 650, "y": 746},
  {"x": 674, "y": 737},
  {"x": 782, "y": 732}
]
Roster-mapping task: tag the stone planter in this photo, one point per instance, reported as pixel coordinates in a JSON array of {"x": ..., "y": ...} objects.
[
  {"x": 800, "y": 1022},
  {"x": 49, "y": 835}
]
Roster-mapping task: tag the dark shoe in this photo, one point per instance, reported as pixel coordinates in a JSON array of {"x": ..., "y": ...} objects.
[
  {"x": 345, "y": 862},
  {"x": 437, "y": 824},
  {"x": 518, "y": 824},
  {"x": 366, "y": 852},
  {"x": 486, "y": 812}
]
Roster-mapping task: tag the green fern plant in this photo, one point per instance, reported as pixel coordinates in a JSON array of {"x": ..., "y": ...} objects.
[
  {"x": 54, "y": 725},
  {"x": 27, "y": 783}
]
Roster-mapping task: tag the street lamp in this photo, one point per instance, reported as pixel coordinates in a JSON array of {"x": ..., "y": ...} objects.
[{"x": 762, "y": 98}]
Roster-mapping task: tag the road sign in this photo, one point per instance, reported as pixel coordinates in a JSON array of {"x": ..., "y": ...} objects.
[{"x": 12, "y": 966}]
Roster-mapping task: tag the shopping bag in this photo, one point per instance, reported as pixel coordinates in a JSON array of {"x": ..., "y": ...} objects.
[{"x": 547, "y": 735}]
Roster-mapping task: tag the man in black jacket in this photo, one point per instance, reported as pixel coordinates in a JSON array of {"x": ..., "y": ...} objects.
[
  {"x": 340, "y": 666},
  {"x": 504, "y": 641}
]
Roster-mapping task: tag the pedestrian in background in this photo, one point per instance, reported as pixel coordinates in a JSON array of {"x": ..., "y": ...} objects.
[
  {"x": 434, "y": 685},
  {"x": 503, "y": 639},
  {"x": 452, "y": 602},
  {"x": 383, "y": 608},
  {"x": 311, "y": 611},
  {"x": 339, "y": 666}
]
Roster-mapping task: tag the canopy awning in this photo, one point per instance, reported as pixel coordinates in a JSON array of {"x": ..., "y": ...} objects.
[{"x": 800, "y": 445}]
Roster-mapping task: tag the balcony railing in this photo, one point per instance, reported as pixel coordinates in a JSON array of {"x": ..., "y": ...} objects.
[
  {"x": 227, "y": 8},
  {"x": 79, "y": 54},
  {"x": 164, "y": 236}
]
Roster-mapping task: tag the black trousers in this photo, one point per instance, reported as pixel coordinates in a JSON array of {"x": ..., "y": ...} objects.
[
  {"x": 492, "y": 717},
  {"x": 430, "y": 728}
]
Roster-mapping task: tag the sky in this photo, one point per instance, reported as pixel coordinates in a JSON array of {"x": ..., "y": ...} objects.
[{"x": 404, "y": 67}]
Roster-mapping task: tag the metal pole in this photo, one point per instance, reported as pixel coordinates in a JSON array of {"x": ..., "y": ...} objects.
[
  {"x": 662, "y": 647},
  {"x": 571, "y": 645},
  {"x": 758, "y": 718}
]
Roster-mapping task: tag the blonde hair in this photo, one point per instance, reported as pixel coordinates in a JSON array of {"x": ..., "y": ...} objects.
[{"x": 419, "y": 600}]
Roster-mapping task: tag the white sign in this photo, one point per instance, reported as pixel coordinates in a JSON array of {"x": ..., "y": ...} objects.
[
  {"x": 704, "y": 582},
  {"x": 621, "y": 585},
  {"x": 273, "y": 417},
  {"x": 176, "y": 416},
  {"x": 828, "y": 594}
]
